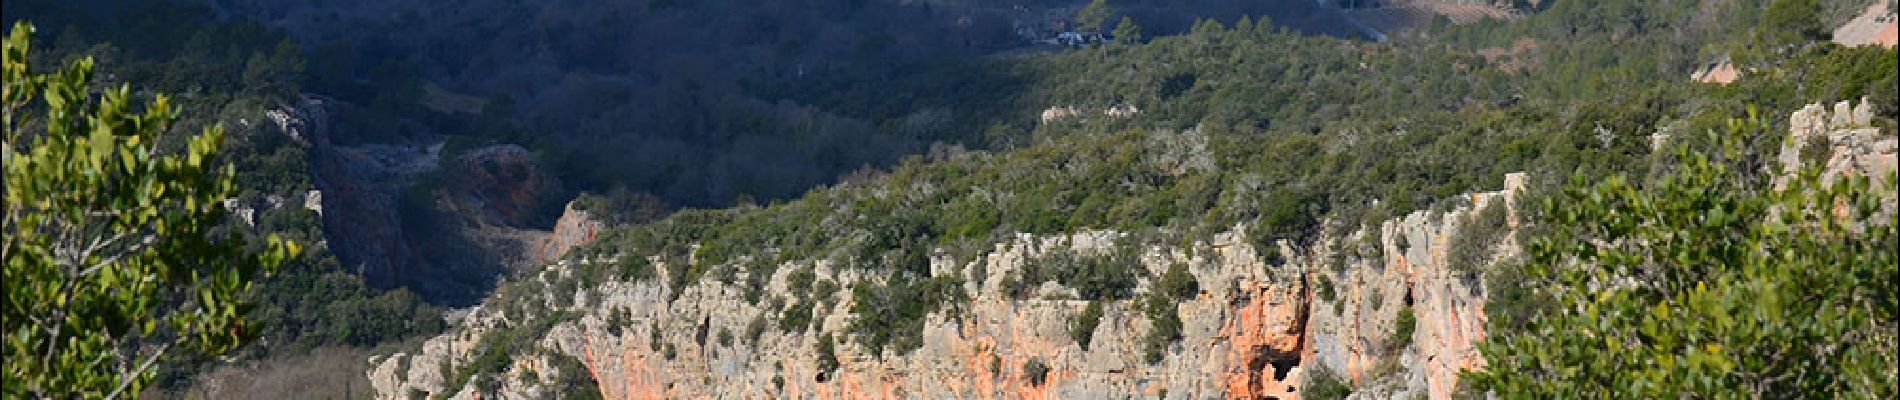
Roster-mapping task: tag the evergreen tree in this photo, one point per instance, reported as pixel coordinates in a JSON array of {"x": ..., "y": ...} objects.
[
  {"x": 1709, "y": 283},
  {"x": 113, "y": 251},
  {"x": 1792, "y": 21},
  {"x": 1127, "y": 32},
  {"x": 1093, "y": 17}
]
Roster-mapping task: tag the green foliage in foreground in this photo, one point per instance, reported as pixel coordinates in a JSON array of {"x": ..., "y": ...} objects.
[
  {"x": 1708, "y": 282},
  {"x": 235, "y": 70},
  {"x": 112, "y": 257}
]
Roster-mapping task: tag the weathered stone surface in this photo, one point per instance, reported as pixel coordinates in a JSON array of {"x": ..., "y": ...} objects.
[
  {"x": 574, "y": 228},
  {"x": 1875, "y": 26},
  {"x": 1251, "y": 332},
  {"x": 497, "y": 186},
  {"x": 362, "y": 183},
  {"x": 313, "y": 201},
  {"x": 482, "y": 213},
  {"x": 1852, "y": 145}
]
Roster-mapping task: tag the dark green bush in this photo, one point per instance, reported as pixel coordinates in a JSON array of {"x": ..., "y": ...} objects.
[
  {"x": 1035, "y": 371},
  {"x": 1178, "y": 282},
  {"x": 1165, "y": 319},
  {"x": 1478, "y": 233},
  {"x": 892, "y": 314},
  {"x": 1324, "y": 384},
  {"x": 1083, "y": 329},
  {"x": 1403, "y": 325},
  {"x": 827, "y": 357},
  {"x": 1325, "y": 288},
  {"x": 1094, "y": 277}
]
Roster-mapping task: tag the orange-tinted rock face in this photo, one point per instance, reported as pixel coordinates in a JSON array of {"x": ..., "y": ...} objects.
[
  {"x": 638, "y": 377},
  {"x": 1266, "y": 342},
  {"x": 575, "y": 228},
  {"x": 1722, "y": 73}
]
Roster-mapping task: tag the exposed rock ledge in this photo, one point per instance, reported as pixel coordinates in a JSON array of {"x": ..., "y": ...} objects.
[
  {"x": 574, "y": 228},
  {"x": 1252, "y": 331}
]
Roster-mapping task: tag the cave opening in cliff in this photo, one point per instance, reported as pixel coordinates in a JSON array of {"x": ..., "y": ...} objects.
[
  {"x": 1283, "y": 366},
  {"x": 1282, "y": 362}
]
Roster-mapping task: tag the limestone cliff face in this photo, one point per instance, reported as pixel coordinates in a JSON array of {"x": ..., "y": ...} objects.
[
  {"x": 361, "y": 184},
  {"x": 1252, "y": 331},
  {"x": 1845, "y": 135},
  {"x": 1417, "y": 270}
]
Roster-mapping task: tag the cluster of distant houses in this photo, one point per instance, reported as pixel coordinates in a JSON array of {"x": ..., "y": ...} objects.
[
  {"x": 1055, "y": 29},
  {"x": 1062, "y": 112},
  {"x": 1078, "y": 39}
]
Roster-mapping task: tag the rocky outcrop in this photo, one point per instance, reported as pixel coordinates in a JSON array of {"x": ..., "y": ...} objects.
[
  {"x": 404, "y": 215},
  {"x": 1840, "y": 143},
  {"x": 1056, "y": 113},
  {"x": 313, "y": 201},
  {"x": 1414, "y": 267},
  {"x": 575, "y": 227},
  {"x": 1844, "y": 141},
  {"x": 362, "y": 185},
  {"x": 308, "y": 117},
  {"x": 1875, "y": 26},
  {"x": 1252, "y": 331},
  {"x": 1720, "y": 73},
  {"x": 501, "y": 185}
]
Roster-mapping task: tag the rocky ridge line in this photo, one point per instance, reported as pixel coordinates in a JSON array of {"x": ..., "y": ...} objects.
[{"x": 1251, "y": 331}]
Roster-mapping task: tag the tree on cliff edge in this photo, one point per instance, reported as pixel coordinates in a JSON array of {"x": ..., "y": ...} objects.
[{"x": 112, "y": 253}]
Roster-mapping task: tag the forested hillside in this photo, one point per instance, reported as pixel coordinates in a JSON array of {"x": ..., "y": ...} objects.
[
  {"x": 1300, "y": 142},
  {"x": 913, "y": 199}
]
